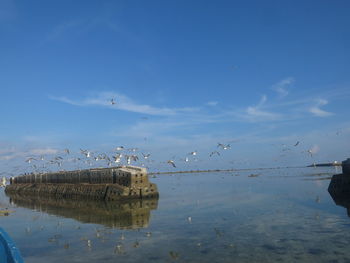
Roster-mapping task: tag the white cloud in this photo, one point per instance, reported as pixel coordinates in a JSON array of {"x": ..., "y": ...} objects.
[
  {"x": 212, "y": 103},
  {"x": 43, "y": 151},
  {"x": 123, "y": 102},
  {"x": 317, "y": 111},
  {"x": 281, "y": 87},
  {"x": 13, "y": 153},
  {"x": 256, "y": 113}
]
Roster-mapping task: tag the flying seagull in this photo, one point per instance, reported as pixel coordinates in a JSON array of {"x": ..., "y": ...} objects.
[
  {"x": 310, "y": 152},
  {"x": 223, "y": 146},
  {"x": 214, "y": 152},
  {"x": 146, "y": 155},
  {"x": 119, "y": 148},
  {"x": 172, "y": 163}
]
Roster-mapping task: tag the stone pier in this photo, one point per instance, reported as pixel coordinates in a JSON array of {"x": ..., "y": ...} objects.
[{"x": 114, "y": 183}]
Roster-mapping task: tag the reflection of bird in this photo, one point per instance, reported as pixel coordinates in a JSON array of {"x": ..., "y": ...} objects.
[
  {"x": 172, "y": 163},
  {"x": 174, "y": 255},
  {"x": 296, "y": 143}
]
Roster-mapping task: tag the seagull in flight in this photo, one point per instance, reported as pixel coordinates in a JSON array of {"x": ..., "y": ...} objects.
[
  {"x": 171, "y": 162},
  {"x": 85, "y": 152},
  {"x": 119, "y": 148},
  {"x": 117, "y": 158},
  {"x": 30, "y": 159},
  {"x": 146, "y": 156},
  {"x": 223, "y": 146},
  {"x": 310, "y": 152},
  {"x": 214, "y": 152}
]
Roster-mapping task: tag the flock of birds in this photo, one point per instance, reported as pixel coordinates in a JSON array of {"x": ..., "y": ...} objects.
[{"x": 120, "y": 155}]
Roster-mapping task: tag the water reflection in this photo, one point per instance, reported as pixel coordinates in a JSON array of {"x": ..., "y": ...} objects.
[
  {"x": 339, "y": 189},
  {"x": 132, "y": 214}
]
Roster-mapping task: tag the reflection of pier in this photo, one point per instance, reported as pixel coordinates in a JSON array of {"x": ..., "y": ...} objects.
[
  {"x": 130, "y": 214},
  {"x": 339, "y": 189}
]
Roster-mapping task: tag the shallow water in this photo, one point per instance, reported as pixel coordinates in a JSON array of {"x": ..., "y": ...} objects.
[{"x": 250, "y": 216}]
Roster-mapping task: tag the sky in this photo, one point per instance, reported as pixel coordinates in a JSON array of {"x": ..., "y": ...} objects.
[{"x": 184, "y": 75}]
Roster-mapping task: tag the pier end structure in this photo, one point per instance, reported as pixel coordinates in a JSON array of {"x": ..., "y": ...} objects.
[
  {"x": 346, "y": 166},
  {"x": 113, "y": 183}
]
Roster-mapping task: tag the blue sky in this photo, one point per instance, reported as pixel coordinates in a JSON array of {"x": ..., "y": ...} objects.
[{"x": 185, "y": 75}]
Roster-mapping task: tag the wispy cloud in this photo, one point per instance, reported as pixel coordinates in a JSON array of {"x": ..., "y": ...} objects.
[
  {"x": 281, "y": 87},
  {"x": 124, "y": 103},
  {"x": 257, "y": 114},
  {"x": 317, "y": 111},
  {"x": 63, "y": 28},
  {"x": 212, "y": 103},
  {"x": 43, "y": 151},
  {"x": 13, "y": 153}
]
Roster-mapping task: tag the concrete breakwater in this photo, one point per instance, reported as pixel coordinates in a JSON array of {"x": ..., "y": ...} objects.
[{"x": 114, "y": 183}]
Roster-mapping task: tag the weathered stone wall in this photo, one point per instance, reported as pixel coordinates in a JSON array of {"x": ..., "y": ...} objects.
[
  {"x": 89, "y": 191},
  {"x": 90, "y": 176}
]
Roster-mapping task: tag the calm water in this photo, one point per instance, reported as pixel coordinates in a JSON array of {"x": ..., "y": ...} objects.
[{"x": 279, "y": 215}]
